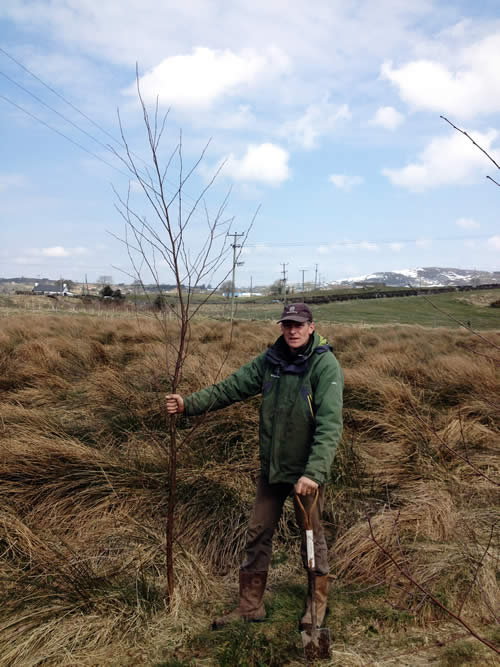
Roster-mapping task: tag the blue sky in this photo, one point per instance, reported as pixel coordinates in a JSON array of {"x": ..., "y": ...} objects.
[{"x": 326, "y": 114}]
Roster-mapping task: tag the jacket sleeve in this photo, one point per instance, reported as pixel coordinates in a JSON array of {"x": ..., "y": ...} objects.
[
  {"x": 244, "y": 383},
  {"x": 327, "y": 403}
]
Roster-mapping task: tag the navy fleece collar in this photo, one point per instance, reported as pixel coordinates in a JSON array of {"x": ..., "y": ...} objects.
[{"x": 279, "y": 355}]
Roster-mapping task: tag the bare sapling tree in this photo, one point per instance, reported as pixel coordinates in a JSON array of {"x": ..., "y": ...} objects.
[{"x": 183, "y": 241}]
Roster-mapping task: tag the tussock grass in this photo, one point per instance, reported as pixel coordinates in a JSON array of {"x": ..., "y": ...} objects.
[{"x": 84, "y": 473}]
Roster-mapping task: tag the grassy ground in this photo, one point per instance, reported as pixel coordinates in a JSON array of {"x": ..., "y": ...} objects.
[
  {"x": 83, "y": 473},
  {"x": 436, "y": 311}
]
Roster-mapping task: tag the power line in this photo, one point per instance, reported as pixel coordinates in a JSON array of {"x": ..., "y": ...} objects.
[
  {"x": 75, "y": 143},
  {"x": 38, "y": 99},
  {"x": 67, "y": 120},
  {"x": 301, "y": 244},
  {"x": 65, "y": 136},
  {"x": 73, "y": 106},
  {"x": 70, "y": 104},
  {"x": 55, "y": 92}
]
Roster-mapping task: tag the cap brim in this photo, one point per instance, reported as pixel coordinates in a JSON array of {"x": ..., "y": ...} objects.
[{"x": 294, "y": 318}]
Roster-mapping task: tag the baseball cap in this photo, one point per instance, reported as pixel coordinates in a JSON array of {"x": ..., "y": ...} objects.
[{"x": 296, "y": 312}]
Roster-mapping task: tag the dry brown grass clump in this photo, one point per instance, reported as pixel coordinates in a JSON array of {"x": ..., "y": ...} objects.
[{"x": 83, "y": 470}]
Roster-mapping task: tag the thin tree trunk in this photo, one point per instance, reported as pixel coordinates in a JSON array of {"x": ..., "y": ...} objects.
[{"x": 172, "y": 483}]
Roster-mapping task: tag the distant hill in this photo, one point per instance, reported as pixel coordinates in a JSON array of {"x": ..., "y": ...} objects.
[
  {"x": 430, "y": 276},
  {"x": 23, "y": 280}
]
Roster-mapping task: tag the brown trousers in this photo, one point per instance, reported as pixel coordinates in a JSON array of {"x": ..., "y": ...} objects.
[{"x": 265, "y": 516}]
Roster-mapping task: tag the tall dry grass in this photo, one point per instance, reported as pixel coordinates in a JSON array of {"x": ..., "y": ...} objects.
[{"x": 83, "y": 473}]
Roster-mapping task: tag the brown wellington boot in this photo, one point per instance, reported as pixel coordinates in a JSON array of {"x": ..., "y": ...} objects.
[
  {"x": 251, "y": 607},
  {"x": 321, "y": 582}
]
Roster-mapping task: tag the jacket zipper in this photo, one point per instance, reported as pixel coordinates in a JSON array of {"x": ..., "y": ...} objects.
[
  {"x": 275, "y": 421},
  {"x": 309, "y": 401}
]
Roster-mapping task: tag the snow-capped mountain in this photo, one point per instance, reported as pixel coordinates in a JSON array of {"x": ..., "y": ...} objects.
[{"x": 430, "y": 276}]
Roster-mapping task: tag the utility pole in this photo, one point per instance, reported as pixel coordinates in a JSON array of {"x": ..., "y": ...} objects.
[
  {"x": 251, "y": 286},
  {"x": 303, "y": 271},
  {"x": 283, "y": 281},
  {"x": 234, "y": 245},
  {"x": 316, "y": 279}
]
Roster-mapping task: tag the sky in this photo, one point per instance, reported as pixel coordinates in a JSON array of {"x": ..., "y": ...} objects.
[{"x": 322, "y": 121}]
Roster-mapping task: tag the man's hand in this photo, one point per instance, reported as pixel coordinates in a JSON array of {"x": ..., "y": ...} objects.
[
  {"x": 175, "y": 404},
  {"x": 305, "y": 486}
]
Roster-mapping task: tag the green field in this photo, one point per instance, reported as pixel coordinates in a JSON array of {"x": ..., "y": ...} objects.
[
  {"x": 470, "y": 308},
  {"x": 399, "y": 310}
]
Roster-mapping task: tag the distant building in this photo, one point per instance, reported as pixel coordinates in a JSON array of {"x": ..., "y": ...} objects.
[
  {"x": 364, "y": 284},
  {"x": 51, "y": 289}
]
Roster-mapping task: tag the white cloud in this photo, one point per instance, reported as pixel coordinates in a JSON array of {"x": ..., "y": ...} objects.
[
  {"x": 135, "y": 186},
  {"x": 317, "y": 120},
  {"x": 423, "y": 243},
  {"x": 239, "y": 118},
  {"x": 263, "y": 249},
  {"x": 465, "y": 86},
  {"x": 388, "y": 118},
  {"x": 322, "y": 33},
  {"x": 366, "y": 245},
  {"x": 396, "y": 247},
  {"x": 56, "y": 251},
  {"x": 198, "y": 80},
  {"x": 467, "y": 223},
  {"x": 448, "y": 160},
  {"x": 264, "y": 163},
  {"x": 345, "y": 182},
  {"x": 494, "y": 242},
  {"x": 347, "y": 246},
  {"x": 331, "y": 247},
  {"x": 8, "y": 181}
]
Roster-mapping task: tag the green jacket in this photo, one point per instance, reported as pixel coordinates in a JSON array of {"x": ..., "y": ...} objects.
[{"x": 301, "y": 410}]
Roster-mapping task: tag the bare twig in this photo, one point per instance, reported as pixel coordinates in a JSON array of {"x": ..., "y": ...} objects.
[
  {"x": 493, "y": 180},
  {"x": 485, "y": 356},
  {"x": 474, "y": 142},
  {"x": 433, "y": 430},
  {"x": 479, "y": 565},
  {"x": 431, "y": 597},
  {"x": 453, "y": 319}
]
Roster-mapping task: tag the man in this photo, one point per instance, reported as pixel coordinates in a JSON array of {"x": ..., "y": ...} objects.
[{"x": 301, "y": 383}]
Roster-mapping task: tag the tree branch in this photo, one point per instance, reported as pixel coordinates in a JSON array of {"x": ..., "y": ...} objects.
[
  {"x": 431, "y": 597},
  {"x": 474, "y": 142}
]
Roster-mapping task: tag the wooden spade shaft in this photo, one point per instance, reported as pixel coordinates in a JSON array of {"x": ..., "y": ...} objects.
[{"x": 317, "y": 642}]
